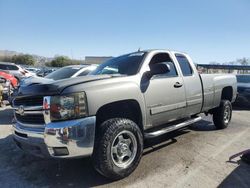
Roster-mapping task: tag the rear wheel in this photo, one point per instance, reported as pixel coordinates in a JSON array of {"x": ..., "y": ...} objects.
[
  {"x": 118, "y": 148},
  {"x": 222, "y": 115}
]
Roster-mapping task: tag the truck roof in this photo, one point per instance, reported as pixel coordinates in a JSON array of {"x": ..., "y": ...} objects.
[{"x": 161, "y": 50}]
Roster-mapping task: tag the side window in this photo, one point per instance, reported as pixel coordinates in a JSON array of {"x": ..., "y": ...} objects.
[
  {"x": 3, "y": 67},
  {"x": 184, "y": 64},
  {"x": 164, "y": 58},
  {"x": 12, "y": 67},
  {"x": 84, "y": 73}
]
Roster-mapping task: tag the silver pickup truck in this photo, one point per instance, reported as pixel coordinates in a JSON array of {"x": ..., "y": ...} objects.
[{"x": 108, "y": 114}]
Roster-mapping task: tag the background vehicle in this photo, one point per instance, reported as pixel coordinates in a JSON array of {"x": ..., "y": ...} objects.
[
  {"x": 15, "y": 70},
  {"x": 109, "y": 113},
  {"x": 6, "y": 89},
  {"x": 32, "y": 69},
  {"x": 243, "y": 87},
  {"x": 11, "y": 78},
  {"x": 45, "y": 71},
  {"x": 71, "y": 72},
  {"x": 62, "y": 73}
]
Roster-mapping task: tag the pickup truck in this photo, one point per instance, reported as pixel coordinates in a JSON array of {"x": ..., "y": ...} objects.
[{"x": 108, "y": 114}]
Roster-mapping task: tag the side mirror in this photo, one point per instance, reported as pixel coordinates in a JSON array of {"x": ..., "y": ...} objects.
[{"x": 159, "y": 68}]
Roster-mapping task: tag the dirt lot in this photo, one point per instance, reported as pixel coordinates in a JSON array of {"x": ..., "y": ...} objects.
[{"x": 194, "y": 157}]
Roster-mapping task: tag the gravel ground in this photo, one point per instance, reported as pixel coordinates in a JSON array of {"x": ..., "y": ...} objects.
[{"x": 194, "y": 157}]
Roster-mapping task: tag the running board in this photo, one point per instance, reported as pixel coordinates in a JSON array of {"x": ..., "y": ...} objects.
[{"x": 172, "y": 128}]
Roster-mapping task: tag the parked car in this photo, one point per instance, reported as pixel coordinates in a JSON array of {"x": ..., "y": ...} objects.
[
  {"x": 32, "y": 69},
  {"x": 243, "y": 88},
  {"x": 44, "y": 72},
  {"x": 6, "y": 89},
  {"x": 110, "y": 112},
  {"x": 15, "y": 70},
  {"x": 1, "y": 91},
  {"x": 71, "y": 72},
  {"x": 11, "y": 78},
  {"x": 62, "y": 73}
]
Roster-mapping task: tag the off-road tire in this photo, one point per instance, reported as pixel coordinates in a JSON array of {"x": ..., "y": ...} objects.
[
  {"x": 102, "y": 156},
  {"x": 219, "y": 113}
]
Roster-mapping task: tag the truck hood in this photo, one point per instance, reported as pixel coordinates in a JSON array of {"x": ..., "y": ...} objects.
[
  {"x": 35, "y": 80},
  {"x": 43, "y": 86}
]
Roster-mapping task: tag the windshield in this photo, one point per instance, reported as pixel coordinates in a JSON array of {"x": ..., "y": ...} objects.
[
  {"x": 243, "y": 78},
  {"x": 124, "y": 65},
  {"x": 62, "y": 73}
]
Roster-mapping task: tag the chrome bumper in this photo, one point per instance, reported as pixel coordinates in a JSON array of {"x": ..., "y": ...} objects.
[{"x": 65, "y": 139}]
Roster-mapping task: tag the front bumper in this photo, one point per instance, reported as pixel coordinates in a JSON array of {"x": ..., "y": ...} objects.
[{"x": 65, "y": 139}]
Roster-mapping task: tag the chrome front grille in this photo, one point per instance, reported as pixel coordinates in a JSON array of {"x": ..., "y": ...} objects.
[
  {"x": 29, "y": 101},
  {"x": 29, "y": 111},
  {"x": 30, "y": 118}
]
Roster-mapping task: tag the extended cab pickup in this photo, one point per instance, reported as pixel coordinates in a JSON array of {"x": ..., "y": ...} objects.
[{"x": 109, "y": 113}]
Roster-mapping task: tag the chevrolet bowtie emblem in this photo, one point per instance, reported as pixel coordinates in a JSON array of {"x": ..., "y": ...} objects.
[{"x": 20, "y": 110}]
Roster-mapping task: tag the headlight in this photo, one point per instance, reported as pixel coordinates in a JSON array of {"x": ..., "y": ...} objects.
[{"x": 66, "y": 107}]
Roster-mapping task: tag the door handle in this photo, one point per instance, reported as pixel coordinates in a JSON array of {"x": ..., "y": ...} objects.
[{"x": 177, "y": 84}]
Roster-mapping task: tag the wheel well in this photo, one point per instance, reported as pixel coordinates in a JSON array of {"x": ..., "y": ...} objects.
[
  {"x": 227, "y": 93},
  {"x": 129, "y": 109}
]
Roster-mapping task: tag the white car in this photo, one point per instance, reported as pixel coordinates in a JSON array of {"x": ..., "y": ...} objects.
[
  {"x": 62, "y": 73},
  {"x": 15, "y": 70},
  {"x": 71, "y": 72}
]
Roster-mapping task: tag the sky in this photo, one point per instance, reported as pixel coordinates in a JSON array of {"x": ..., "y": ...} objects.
[{"x": 214, "y": 30}]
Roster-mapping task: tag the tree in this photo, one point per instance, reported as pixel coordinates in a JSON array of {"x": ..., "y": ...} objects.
[
  {"x": 243, "y": 61},
  {"x": 62, "y": 61},
  {"x": 23, "y": 59}
]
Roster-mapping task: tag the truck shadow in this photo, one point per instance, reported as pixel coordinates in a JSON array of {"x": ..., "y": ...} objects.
[
  {"x": 239, "y": 177},
  {"x": 241, "y": 107},
  {"x": 18, "y": 168},
  {"x": 203, "y": 125},
  {"x": 6, "y": 116}
]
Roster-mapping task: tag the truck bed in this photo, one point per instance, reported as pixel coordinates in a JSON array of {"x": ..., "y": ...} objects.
[{"x": 212, "y": 88}]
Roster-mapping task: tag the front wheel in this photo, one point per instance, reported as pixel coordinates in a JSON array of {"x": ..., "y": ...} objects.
[
  {"x": 222, "y": 115},
  {"x": 118, "y": 148}
]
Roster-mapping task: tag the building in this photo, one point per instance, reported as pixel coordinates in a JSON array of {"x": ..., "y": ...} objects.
[
  {"x": 96, "y": 59},
  {"x": 236, "y": 69}
]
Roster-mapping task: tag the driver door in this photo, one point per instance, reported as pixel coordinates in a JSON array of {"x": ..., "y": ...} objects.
[{"x": 165, "y": 94}]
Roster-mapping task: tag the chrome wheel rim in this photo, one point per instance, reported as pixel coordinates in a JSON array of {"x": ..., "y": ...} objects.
[
  {"x": 124, "y": 149},
  {"x": 227, "y": 114}
]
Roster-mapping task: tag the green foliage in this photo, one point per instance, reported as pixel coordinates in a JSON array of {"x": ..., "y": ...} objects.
[
  {"x": 243, "y": 61},
  {"x": 62, "y": 61},
  {"x": 23, "y": 59}
]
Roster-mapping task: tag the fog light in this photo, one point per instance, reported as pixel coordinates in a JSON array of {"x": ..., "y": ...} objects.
[{"x": 60, "y": 151}]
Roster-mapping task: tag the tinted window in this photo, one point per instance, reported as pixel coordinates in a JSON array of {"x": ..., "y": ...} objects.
[
  {"x": 125, "y": 65},
  {"x": 62, "y": 73},
  {"x": 84, "y": 73},
  {"x": 185, "y": 65},
  {"x": 2, "y": 67},
  {"x": 8, "y": 67},
  {"x": 243, "y": 78},
  {"x": 11, "y": 67}
]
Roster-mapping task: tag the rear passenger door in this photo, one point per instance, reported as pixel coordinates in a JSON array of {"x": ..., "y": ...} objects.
[{"x": 192, "y": 84}]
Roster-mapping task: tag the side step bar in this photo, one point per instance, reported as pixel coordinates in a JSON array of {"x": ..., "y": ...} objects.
[{"x": 172, "y": 128}]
